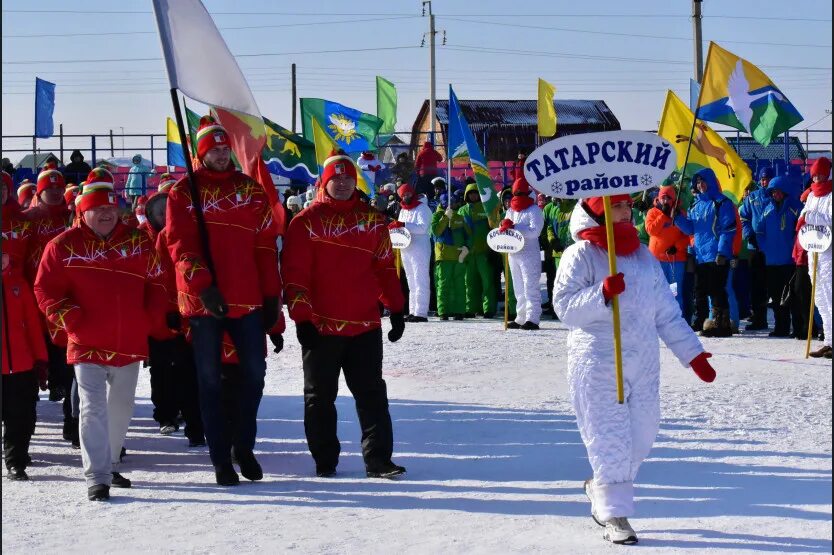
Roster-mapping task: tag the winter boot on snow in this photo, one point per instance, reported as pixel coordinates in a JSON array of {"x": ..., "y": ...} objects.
[
  {"x": 710, "y": 325},
  {"x": 225, "y": 475},
  {"x": 384, "y": 470},
  {"x": 249, "y": 466},
  {"x": 824, "y": 351},
  {"x": 758, "y": 321},
  {"x": 619, "y": 531},
  {"x": 724, "y": 327},
  {"x": 98, "y": 492},
  {"x": 529, "y": 326},
  {"x": 119, "y": 481},
  {"x": 589, "y": 492}
]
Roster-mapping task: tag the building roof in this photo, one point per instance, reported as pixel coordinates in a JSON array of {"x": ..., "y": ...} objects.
[
  {"x": 480, "y": 114},
  {"x": 748, "y": 148},
  {"x": 39, "y": 160}
]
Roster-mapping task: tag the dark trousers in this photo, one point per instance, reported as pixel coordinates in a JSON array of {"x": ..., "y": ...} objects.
[
  {"x": 20, "y": 393},
  {"x": 247, "y": 333},
  {"x": 777, "y": 278},
  {"x": 60, "y": 374},
  {"x": 361, "y": 359},
  {"x": 758, "y": 286},
  {"x": 549, "y": 268},
  {"x": 741, "y": 286},
  {"x": 801, "y": 305},
  {"x": 689, "y": 288},
  {"x": 174, "y": 384},
  {"x": 710, "y": 285}
]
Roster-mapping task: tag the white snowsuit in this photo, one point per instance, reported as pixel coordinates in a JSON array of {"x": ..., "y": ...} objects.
[
  {"x": 526, "y": 265},
  {"x": 817, "y": 211},
  {"x": 416, "y": 257},
  {"x": 617, "y": 437}
]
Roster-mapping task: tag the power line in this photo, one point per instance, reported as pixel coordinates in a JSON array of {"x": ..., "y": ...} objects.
[
  {"x": 150, "y": 12},
  {"x": 630, "y": 35}
]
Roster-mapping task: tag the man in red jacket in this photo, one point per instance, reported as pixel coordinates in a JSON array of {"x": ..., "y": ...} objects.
[
  {"x": 24, "y": 351},
  {"x": 102, "y": 284},
  {"x": 49, "y": 216},
  {"x": 241, "y": 297},
  {"x": 426, "y": 165},
  {"x": 338, "y": 263}
]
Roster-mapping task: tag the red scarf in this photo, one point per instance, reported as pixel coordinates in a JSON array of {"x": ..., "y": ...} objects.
[
  {"x": 821, "y": 188},
  {"x": 415, "y": 202},
  {"x": 519, "y": 203},
  {"x": 626, "y": 240}
]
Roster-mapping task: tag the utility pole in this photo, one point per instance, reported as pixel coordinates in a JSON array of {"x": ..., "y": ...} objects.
[
  {"x": 293, "y": 98},
  {"x": 432, "y": 82},
  {"x": 698, "y": 40}
]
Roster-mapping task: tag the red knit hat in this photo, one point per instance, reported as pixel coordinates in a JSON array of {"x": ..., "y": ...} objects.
[
  {"x": 337, "y": 164},
  {"x": 50, "y": 178},
  {"x": 166, "y": 181},
  {"x": 668, "y": 191},
  {"x": 520, "y": 185},
  {"x": 594, "y": 205},
  {"x": 405, "y": 190},
  {"x": 70, "y": 193},
  {"x": 821, "y": 167},
  {"x": 25, "y": 192},
  {"x": 209, "y": 135},
  {"x": 98, "y": 191},
  {"x": 7, "y": 181}
]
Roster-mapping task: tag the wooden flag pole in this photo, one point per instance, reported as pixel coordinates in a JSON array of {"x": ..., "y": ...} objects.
[
  {"x": 615, "y": 304},
  {"x": 506, "y": 291},
  {"x": 811, "y": 313},
  {"x": 397, "y": 261}
]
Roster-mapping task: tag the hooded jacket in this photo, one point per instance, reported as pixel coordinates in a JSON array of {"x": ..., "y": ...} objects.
[
  {"x": 664, "y": 235},
  {"x": 427, "y": 160},
  {"x": 137, "y": 177},
  {"x": 776, "y": 229},
  {"x": 711, "y": 221},
  {"x": 475, "y": 216},
  {"x": 77, "y": 170}
]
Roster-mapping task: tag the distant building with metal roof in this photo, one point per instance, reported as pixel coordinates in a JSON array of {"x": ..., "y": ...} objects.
[{"x": 509, "y": 126}]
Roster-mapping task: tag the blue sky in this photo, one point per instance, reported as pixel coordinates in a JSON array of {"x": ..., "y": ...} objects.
[{"x": 626, "y": 53}]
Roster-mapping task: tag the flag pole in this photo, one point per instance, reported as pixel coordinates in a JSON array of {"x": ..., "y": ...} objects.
[
  {"x": 202, "y": 231},
  {"x": 615, "y": 303},
  {"x": 811, "y": 314}
]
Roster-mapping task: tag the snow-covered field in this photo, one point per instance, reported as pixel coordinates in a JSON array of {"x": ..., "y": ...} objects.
[{"x": 495, "y": 463}]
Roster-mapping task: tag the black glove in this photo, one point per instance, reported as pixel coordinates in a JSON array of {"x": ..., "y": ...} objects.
[
  {"x": 214, "y": 302},
  {"x": 277, "y": 342},
  {"x": 271, "y": 310},
  {"x": 397, "y": 326},
  {"x": 720, "y": 260},
  {"x": 672, "y": 251},
  {"x": 308, "y": 335},
  {"x": 556, "y": 245},
  {"x": 173, "y": 320},
  {"x": 754, "y": 241}
]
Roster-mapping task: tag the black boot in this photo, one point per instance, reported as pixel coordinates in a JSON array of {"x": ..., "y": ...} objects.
[
  {"x": 384, "y": 470},
  {"x": 225, "y": 475},
  {"x": 98, "y": 492},
  {"x": 119, "y": 481},
  {"x": 249, "y": 466},
  {"x": 17, "y": 474}
]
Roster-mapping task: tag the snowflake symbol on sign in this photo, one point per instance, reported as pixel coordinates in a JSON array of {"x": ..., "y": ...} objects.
[
  {"x": 646, "y": 180},
  {"x": 556, "y": 187}
]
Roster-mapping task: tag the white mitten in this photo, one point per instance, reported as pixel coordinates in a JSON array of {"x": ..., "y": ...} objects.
[{"x": 463, "y": 253}]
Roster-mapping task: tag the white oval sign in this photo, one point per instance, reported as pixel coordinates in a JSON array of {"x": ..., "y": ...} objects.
[
  {"x": 815, "y": 238},
  {"x": 509, "y": 242},
  {"x": 600, "y": 164},
  {"x": 400, "y": 237}
]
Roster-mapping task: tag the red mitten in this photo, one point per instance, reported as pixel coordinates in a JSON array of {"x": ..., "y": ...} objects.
[
  {"x": 702, "y": 367},
  {"x": 505, "y": 225},
  {"x": 395, "y": 225},
  {"x": 613, "y": 285},
  {"x": 800, "y": 223}
]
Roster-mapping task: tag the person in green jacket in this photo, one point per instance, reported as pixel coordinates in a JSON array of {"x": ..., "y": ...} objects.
[
  {"x": 549, "y": 264},
  {"x": 451, "y": 236},
  {"x": 480, "y": 290}
]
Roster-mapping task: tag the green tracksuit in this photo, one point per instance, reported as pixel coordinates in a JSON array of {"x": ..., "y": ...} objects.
[
  {"x": 480, "y": 289},
  {"x": 449, "y": 273}
]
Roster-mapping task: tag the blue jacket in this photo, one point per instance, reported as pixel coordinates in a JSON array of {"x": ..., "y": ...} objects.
[
  {"x": 775, "y": 230},
  {"x": 711, "y": 220},
  {"x": 751, "y": 210}
]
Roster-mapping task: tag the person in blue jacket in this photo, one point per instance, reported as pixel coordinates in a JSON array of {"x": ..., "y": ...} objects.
[
  {"x": 750, "y": 212},
  {"x": 775, "y": 233},
  {"x": 712, "y": 222}
]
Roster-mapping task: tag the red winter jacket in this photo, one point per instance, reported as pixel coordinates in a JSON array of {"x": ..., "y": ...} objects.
[
  {"x": 23, "y": 341},
  {"x": 427, "y": 160},
  {"x": 241, "y": 237},
  {"x": 338, "y": 263},
  {"x": 107, "y": 294},
  {"x": 47, "y": 223}
]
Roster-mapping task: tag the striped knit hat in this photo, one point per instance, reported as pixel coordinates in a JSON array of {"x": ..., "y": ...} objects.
[
  {"x": 50, "y": 178},
  {"x": 166, "y": 181},
  {"x": 209, "y": 135},
  {"x": 71, "y": 192},
  {"x": 98, "y": 191},
  {"x": 25, "y": 192},
  {"x": 337, "y": 164}
]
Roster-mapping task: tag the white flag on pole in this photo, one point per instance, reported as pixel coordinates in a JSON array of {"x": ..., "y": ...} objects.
[{"x": 198, "y": 61}]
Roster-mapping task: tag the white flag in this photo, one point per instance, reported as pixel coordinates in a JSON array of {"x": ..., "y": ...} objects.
[{"x": 199, "y": 62}]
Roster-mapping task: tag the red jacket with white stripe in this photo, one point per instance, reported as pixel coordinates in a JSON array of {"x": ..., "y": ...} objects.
[
  {"x": 338, "y": 263},
  {"x": 107, "y": 294},
  {"x": 242, "y": 239}
]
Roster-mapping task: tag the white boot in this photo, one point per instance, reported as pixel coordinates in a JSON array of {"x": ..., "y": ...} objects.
[
  {"x": 589, "y": 491},
  {"x": 619, "y": 531}
]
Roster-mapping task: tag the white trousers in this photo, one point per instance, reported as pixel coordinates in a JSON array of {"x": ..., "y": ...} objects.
[
  {"x": 416, "y": 265},
  {"x": 822, "y": 296},
  {"x": 107, "y": 395},
  {"x": 526, "y": 271}
]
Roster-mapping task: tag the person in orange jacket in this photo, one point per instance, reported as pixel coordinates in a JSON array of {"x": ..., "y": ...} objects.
[
  {"x": 666, "y": 241},
  {"x": 24, "y": 350}
]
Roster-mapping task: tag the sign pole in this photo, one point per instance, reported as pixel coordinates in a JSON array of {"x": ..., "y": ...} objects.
[
  {"x": 811, "y": 312},
  {"x": 397, "y": 261},
  {"x": 615, "y": 304},
  {"x": 506, "y": 291}
]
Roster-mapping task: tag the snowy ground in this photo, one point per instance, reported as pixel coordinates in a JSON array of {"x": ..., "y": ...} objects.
[{"x": 495, "y": 463}]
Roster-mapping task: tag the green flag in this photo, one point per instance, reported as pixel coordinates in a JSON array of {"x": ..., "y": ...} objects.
[
  {"x": 193, "y": 123},
  {"x": 386, "y": 104},
  {"x": 289, "y": 155},
  {"x": 352, "y": 130}
]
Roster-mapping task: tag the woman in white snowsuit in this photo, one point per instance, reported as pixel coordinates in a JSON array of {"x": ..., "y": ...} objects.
[
  {"x": 817, "y": 211},
  {"x": 617, "y": 436},
  {"x": 525, "y": 217},
  {"x": 415, "y": 216}
]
